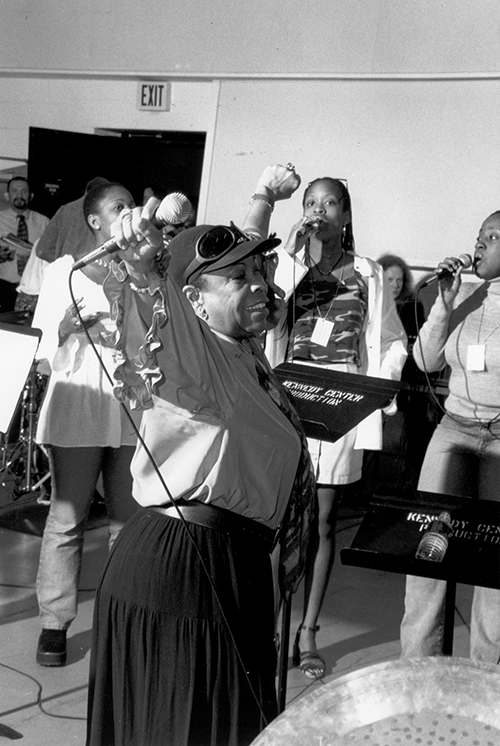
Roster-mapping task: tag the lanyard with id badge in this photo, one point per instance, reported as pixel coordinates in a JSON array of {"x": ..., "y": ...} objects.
[
  {"x": 476, "y": 354},
  {"x": 323, "y": 326}
]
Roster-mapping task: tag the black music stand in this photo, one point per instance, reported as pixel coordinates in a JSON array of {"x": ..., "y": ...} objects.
[
  {"x": 391, "y": 529},
  {"x": 329, "y": 404}
]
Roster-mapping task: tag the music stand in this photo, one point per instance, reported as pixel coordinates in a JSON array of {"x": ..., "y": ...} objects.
[
  {"x": 329, "y": 404},
  {"x": 392, "y": 527}
]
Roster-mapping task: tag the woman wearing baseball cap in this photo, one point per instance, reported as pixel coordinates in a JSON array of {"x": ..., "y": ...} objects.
[{"x": 183, "y": 649}]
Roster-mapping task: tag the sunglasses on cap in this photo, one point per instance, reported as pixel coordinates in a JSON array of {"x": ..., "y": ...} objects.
[
  {"x": 218, "y": 241},
  {"x": 214, "y": 245}
]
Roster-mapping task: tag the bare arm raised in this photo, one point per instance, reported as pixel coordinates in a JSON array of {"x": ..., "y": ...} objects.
[{"x": 275, "y": 183}]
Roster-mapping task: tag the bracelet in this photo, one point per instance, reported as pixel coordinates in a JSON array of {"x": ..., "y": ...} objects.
[{"x": 262, "y": 198}]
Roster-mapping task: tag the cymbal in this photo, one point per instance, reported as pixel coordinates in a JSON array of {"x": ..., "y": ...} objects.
[{"x": 434, "y": 701}]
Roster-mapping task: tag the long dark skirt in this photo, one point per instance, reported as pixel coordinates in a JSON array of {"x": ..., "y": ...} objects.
[{"x": 168, "y": 667}]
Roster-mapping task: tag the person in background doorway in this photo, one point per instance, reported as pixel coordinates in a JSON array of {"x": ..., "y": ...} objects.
[{"x": 24, "y": 224}]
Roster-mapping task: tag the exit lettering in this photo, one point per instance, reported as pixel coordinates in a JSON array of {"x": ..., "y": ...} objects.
[{"x": 153, "y": 96}]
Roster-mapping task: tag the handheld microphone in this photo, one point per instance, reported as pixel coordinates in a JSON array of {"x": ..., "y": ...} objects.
[
  {"x": 172, "y": 210},
  {"x": 440, "y": 274},
  {"x": 309, "y": 227}
]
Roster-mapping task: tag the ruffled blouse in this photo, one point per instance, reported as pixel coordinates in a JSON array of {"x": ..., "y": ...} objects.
[{"x": 213, "y": 431}]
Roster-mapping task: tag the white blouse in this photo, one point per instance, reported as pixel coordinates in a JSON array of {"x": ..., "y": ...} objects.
[{"x": 79, "y": 407}]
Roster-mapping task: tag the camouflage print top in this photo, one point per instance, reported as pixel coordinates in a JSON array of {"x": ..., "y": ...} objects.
[{"x": 339, "y": 298}]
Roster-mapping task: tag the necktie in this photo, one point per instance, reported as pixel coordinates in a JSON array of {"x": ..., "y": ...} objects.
[
  {"x": 296, "y": 527},
  {"x": 22, "y": 228},
  {"x": 22, "y": 233}
]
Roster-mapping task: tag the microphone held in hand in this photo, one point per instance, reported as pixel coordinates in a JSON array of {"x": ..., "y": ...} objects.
[
  {"x": 173, "y": 209},
  {"x": 308, "y": 227},
  {"x": 441, "y": 274}
]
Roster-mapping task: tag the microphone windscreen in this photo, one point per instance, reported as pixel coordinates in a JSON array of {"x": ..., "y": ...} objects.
[
  {"x": 466, "y": 260},
  {"x": 174, "y": 209}
]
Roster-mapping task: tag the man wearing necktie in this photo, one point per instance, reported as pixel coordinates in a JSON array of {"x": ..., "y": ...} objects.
[{"x": 25, "y": 224}]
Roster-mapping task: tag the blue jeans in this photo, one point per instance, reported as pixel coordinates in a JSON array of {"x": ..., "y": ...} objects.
[
  {"x": 463, "y": 459},
  {"x": 74, "y": 473}
]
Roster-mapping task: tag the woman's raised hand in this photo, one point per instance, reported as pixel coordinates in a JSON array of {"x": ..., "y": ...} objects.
[{"x": 278, "y": 182}]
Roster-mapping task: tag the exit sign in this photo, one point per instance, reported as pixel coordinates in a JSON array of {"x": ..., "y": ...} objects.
[{"x": 153, "y": 96}]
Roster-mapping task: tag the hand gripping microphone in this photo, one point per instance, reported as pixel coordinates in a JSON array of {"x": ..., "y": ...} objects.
[
  {"x": 440, "y": 274},
  {"x": 310, "y": 225},
  {"x": 172, "y": 210}
]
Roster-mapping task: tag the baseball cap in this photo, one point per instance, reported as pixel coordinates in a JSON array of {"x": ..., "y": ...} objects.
[{"x": 206, "y": 248}]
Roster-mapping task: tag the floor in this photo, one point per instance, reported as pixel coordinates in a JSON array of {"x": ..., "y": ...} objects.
[{"x": 47, "y": 707}]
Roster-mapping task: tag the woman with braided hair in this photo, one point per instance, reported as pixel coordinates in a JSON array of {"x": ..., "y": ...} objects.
[{"x": 341, "y": 316}]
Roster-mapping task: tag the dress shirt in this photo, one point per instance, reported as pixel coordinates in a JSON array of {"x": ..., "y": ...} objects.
[{"x": 36, "y": 223}]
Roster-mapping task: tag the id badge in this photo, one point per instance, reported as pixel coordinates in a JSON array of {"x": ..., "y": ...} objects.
[
  {"x": 321, "y": 332},
  {"x": 476, "y": 357}
]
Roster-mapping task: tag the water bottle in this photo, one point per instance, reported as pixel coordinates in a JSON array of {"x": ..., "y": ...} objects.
[{"x": 434, "y": 542}]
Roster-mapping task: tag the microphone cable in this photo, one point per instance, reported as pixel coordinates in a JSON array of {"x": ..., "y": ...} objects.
[
  {"x": 421, "y": 350},
  {"x": 171, "y": 500}
]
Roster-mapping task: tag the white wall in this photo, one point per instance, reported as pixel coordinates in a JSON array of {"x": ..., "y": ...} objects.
[
  {"x": 261, "y": 36},
  {"x": 422, "y": 158},
  {"x": 331, "y": 85}
]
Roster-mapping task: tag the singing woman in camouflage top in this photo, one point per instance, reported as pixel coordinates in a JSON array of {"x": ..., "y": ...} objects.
[{"x": 341, "y": 315}]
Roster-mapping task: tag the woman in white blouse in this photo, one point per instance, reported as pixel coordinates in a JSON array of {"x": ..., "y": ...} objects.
[{"x": 81, "y": 423}]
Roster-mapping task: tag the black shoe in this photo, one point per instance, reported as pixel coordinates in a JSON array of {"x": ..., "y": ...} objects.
[{"x": 51, "y": 650}]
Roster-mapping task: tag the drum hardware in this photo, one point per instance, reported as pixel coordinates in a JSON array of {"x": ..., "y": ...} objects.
[
  {"x": 18, "y": 318},
  {"x": 24, "y": 466}
]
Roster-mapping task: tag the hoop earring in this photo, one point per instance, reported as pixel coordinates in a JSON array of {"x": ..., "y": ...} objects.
[{"x": 203, "y": 314}]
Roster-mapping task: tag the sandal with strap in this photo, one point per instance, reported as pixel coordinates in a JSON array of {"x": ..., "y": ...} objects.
[{"x": 310, "y": 663}]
